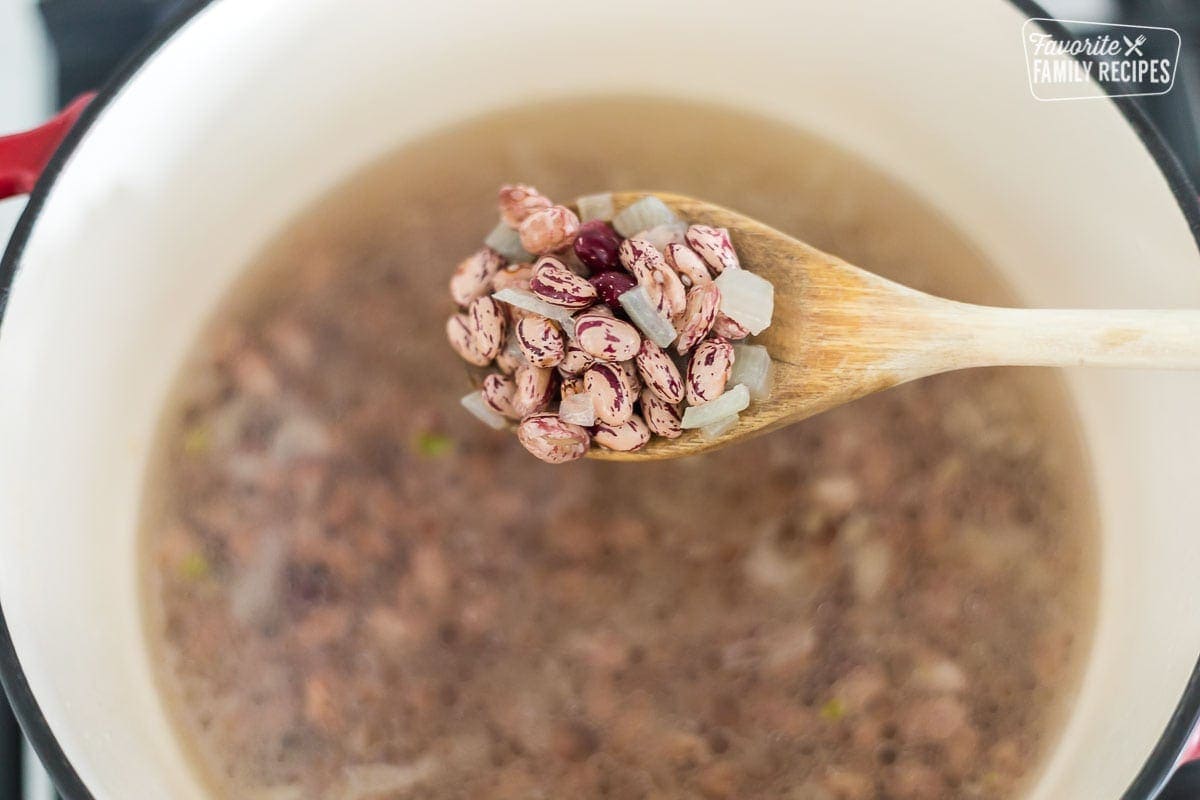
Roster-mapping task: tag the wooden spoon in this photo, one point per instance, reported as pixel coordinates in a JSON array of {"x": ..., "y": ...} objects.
[{"x": 840, "y": 332}]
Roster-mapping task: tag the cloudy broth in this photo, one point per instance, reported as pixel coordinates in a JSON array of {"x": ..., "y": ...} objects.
[{"x": 355, "y": 591}]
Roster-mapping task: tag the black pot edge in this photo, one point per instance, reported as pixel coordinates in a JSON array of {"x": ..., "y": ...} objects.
[{"x": 1147, "y": 784}]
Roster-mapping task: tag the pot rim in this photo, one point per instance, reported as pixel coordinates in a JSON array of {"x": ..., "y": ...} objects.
[{"x": 1150, "y": 779}]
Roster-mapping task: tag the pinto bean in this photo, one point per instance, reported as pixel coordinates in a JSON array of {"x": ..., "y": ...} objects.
[
  {"x": 697, "y": 320},
  {"x": 550, "y": 439},
  {"x": 514, "y": 276},
  {"x": 659, "y": 372},
  {"x": 517, "y": 201},
  {"x": 498, "y": 391},
  {"x": 662, "y": 418},
  {"x": 674, "y": 293},
  {"x": 687, "y": 263},
  {"x": 488, "y": 324},
  {"x": 714, "y": 246},
  {"x": 727, "y": 327},
  {"x": 708, "y": 371},
  {"x": 540, "y": 340},
  {"x": 629, "y": 435},
  {"x": 610, "y": 392},
  {"x": 641, "y": 259},
  {"x": 556, "y": 284},
  {"x": 458, "y": 331},
  {"x": 473, "y": 276},
  {"x": 535, "y": 389},
  {"x": 574, "y": 361},
  {"x": 548, "y": 230},
  {"x": 606, "y": 338}
]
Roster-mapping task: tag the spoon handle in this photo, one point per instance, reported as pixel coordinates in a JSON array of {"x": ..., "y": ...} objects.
[{"x": 983, "y": 335}]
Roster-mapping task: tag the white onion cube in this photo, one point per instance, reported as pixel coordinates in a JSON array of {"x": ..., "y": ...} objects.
[
  {"x": 731, "y": 402},
  {"x": 507, "y": 242},
  {"x": 714, "y": 430},
  {"x": 578, "y": 409},
  {"x": 662, "y": 235},
  {"x": 595, "y": 206},
  {"x": 475, "y": 404},
  {"x": 752, "y": 366},
  {"x": 747, "y": 298},
  {"x": 531, "y": 302},
  {"x": 646, "y": 213},
  {"x": 644, "y": 314}
]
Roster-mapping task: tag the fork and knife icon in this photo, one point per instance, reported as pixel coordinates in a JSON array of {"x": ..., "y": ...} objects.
[{"x": 1132, "y": 47}]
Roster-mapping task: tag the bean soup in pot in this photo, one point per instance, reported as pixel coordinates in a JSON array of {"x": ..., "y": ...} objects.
[{"x": 354, "y": 591}]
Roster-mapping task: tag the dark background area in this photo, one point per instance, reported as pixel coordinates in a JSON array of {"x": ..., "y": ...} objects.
[{"x": 91, "y": 38}]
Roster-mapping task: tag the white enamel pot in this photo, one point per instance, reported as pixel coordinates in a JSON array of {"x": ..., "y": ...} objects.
[{"x": 247, "y": 110}]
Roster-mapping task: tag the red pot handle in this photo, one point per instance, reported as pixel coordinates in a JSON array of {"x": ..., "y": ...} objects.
[
  {"x": 24, "y": 155},
  {"x": 1191, "y": 750}
]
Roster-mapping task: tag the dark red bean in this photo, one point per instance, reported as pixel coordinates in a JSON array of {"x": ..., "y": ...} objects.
[
  {"x": 597, "y": 246},
  {"x": 611, "y": 285}
]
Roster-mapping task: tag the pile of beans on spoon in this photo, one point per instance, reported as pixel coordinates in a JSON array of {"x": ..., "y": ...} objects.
[{"x": 610, "y": 330}]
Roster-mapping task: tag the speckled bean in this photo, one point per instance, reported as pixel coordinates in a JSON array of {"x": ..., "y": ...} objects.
[
  {"x": 540, "y": 340},
  {"x": 458, "y": 332},
  {"x": 514, "y": 276},
  {"x": 517, "y": 201},
  {"x": 548, "y": 230},
  {"x": 632, "y": 379},
  {"x": 606, "y": 338},
  {"x": 708, "y": 370},
  {"x": 728, "y": 328},
  {"x": 714, "y": 246},
  {"x": 698, "y": 317},
  {"x": 498, "y": 391},
  {"x": 659, "y": 372},
  {"x": 535, "y": 389},
  {"x": 550, "y": 439},
  {"x": 690, "y": 266},
  {"x": 571, "y": 386},
  {"x": 662, "y": 418},
  {"x": 609, "y": 389},
  {"x": 556, "y": 284},
  {"x": 600, "y": 309},
  {"x": 629, "y": 435},
  {"x": 473, "y": 276},
  {"x": 488, "y": 326},
  {"x": 674, "y": 293},
  {"x": 641, "y": 259},
  {"x": 575, "y": 361}
]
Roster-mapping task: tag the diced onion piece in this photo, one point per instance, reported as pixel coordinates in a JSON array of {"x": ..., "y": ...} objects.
[
  {"x": 644, "y": 314},
  {"x": 714, "y": 430},
  {"x": 747, "y": 298},
  {"x": 531, "y": 302},
  {"x": 646, "y": 213},
  {"x": 729, "y": 403},
  {"x": 752, "y": 367},
  {"x": 662, "y": 235},
  {"x": 578, "y": 409},
  {"x": 507, "y": 242},
  {"x": 475, "y": 404},
  {"x": 595, "y": 206}
]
